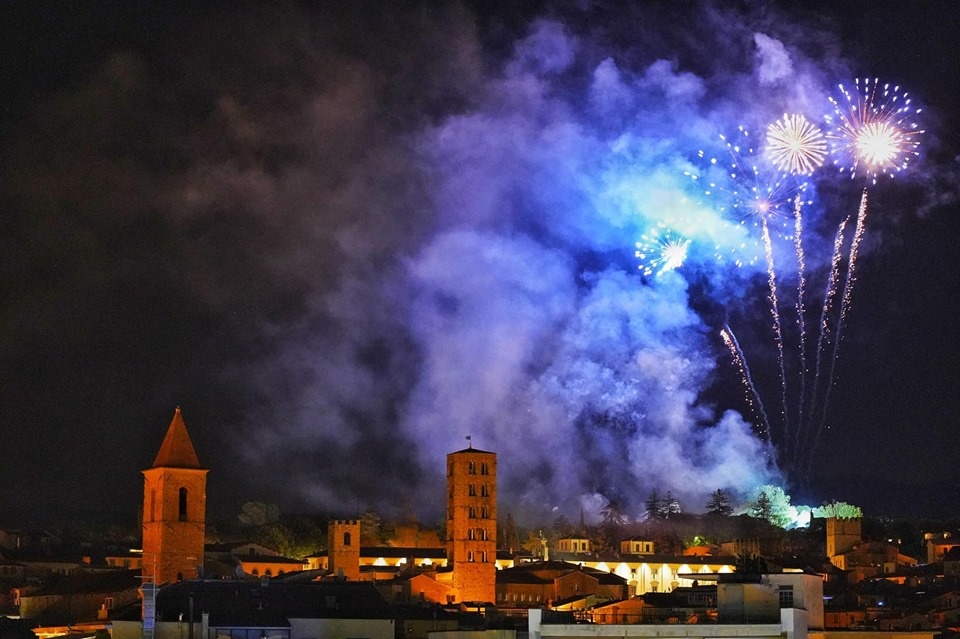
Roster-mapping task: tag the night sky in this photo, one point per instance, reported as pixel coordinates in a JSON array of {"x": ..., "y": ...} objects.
[{"x": 342, "y": 239}]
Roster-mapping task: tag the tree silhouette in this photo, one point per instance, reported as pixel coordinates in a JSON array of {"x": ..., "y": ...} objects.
[{"x": 719, "y": 503}]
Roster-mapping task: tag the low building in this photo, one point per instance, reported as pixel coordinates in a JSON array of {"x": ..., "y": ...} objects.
[{"x": 200, "y": 609}]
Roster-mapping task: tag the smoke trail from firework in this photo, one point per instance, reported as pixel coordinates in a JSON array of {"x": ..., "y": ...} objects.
[
  {"x": 777, "y": 327},
  {"x": 753, "y": 397},
  {"x": 801, "y": 285},
  {"x": 845, "y": 300},
  {"x": 824, "y": 333}
]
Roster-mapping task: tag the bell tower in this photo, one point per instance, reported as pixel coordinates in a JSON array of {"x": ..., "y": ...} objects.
[
  {"x": 472, "y": 524},
  {"x": 174, "y": 509}
]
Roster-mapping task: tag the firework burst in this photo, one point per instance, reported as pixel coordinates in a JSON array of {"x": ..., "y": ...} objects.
[
  {"x": 661, "y": 249},
  {"x": 874, "y": 129},
  {"x": 794, "y": 145}
]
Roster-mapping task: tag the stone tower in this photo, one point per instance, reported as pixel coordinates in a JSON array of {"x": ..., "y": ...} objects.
[
  {"x": 174, "y": 509},
  {"x": 343, "y": 556},
  {"x": 472, "y": 524},
  {"x": 842, "y": 535}
]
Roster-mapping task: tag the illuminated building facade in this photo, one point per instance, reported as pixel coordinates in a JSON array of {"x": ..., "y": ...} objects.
[
  {"x": 174, "y": 509},
  {"x": 472, "y": 524}
]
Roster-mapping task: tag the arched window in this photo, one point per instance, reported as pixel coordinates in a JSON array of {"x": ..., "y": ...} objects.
[
  {"x": 346, "y": 539},
  {"x": 255, "y": 572},
  {"x": 183, "y": 504}
]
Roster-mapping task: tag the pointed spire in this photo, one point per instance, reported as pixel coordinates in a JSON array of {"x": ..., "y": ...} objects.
[{"x": 177, "y": 451}]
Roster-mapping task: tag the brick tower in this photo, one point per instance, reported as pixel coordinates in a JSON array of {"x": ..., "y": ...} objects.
[
  {"x": 472, "y": 524},
  {"x": 842, "y": 535},
  {"x": 174, "y": 509},
  {"x": 343, "y": 556}
]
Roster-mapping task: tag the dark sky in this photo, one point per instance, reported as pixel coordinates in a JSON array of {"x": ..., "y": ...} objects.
[{"x": 342, "y": 239}]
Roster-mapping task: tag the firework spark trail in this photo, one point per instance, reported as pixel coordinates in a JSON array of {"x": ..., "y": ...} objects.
[
  {"x": 801, "y": 285},
  {"x": 824, "y": 333},
  {"x": 845, "y": 300},
  {"x": 753, "y": 397},
  {"x": 777, "y": 327}
]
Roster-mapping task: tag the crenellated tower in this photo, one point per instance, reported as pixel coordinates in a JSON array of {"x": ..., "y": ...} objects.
[
  {"x": 174, "y": 509},
  {"x": 343, "y": 556}
]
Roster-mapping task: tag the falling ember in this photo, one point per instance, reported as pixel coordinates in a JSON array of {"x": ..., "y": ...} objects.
[
  {"x": 777, "y": 327},
  {"x": 661, "y": 250},
  {"x": 795, "y": 145},
  {"x": 801, "y": 285},
  {"x": 823, "y": 337},
  {"x": 753, "y": 397}
]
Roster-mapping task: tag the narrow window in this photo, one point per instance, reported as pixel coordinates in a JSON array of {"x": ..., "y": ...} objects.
[
  {"x": 346, "y": 539},
  {"x": 484, "y": 491},
  {"x": 473, "y": 490},
  {"x": 472, "y": 468},
  {"x": 183, "y": 504},
  {"x": 483, "y": 468}
]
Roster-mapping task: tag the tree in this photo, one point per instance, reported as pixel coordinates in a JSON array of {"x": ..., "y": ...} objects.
[
  {"x": 779, "y": 509},
  {"x": 611, "y": 523},
  {"x": 535, "y": 544},
  {"x": 257, "y": 513},
  {"x": 562, "y": 526},
  {"x": 761, "y": 508},
  {"x": 719, "y": 503},
  {"x": 370, "y": 529},
  {"x": 654, "y": 506},
  {"x": 612, "y": 514},
  {"x": 838, "y": 510},
  {"x": 511, "y": 536},
  {"x": 670, "y": 506}
]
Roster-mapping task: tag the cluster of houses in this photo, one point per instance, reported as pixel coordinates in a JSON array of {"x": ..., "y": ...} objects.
[{"x": 176, "y": 587}]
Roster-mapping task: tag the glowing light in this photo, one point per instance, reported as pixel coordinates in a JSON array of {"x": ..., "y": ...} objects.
[
  {"x": 661, "y": 250},
  {"x": 795, "y": 145},
  {"x": 874, "y": 129}
]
